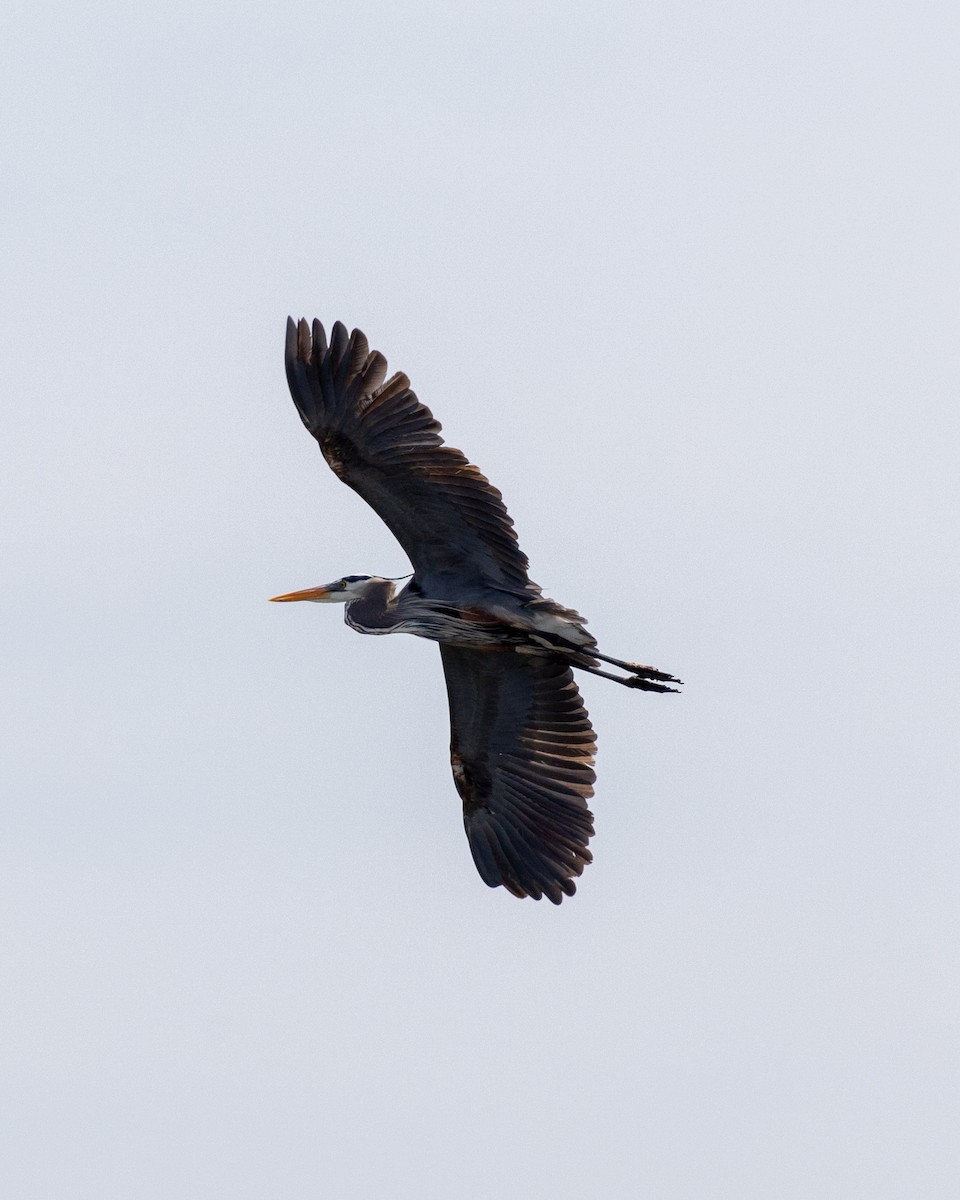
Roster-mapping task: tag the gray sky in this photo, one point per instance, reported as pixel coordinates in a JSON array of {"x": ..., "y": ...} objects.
[{"x": 682, "y": 280}]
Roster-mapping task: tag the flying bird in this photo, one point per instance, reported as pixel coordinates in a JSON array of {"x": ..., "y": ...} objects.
[{"x": 521, "y": 743}]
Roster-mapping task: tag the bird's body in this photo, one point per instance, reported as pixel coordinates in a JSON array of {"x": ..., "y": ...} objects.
[{"x": 522, "y": 747}]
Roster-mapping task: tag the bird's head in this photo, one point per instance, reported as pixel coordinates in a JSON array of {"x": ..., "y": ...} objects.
[{"x": 341, "y": 591}]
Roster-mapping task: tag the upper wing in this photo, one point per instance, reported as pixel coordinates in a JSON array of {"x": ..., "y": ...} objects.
[
  {"x": 522, "y": 749},
  {"x": 386, "y": 445}
]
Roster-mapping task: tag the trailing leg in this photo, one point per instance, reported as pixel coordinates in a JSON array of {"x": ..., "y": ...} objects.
[
  {"x": 638, "y": 669},
  {"x": 630, "y": 681}
]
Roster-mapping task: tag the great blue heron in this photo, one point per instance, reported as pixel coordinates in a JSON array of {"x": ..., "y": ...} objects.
[{"x": 521, "y": 744}]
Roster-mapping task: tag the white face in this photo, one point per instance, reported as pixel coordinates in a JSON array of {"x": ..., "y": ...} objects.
[{"x": 350, "y": 587}]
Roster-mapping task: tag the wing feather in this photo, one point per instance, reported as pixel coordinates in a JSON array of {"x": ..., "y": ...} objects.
[
  {"x": 387, "y": 446},
  {"x": 522, "y": 750}
]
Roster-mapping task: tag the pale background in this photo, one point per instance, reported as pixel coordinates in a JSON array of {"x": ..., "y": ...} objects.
[{"x": 683, "y": 280}]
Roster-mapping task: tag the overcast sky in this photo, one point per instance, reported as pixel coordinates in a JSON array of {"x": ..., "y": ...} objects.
[{"x": 682, "y": 280}]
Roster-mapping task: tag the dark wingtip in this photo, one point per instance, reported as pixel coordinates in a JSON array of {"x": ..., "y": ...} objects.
[
  {"x": 302, "y": 353},
  {"x": 507, "y": 857},
  {"x": 290, "y": 346},
  {"x": 299, "y": 343}
]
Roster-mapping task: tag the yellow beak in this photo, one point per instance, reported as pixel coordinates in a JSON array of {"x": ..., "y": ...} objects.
[{"x": 314, "y": 593}]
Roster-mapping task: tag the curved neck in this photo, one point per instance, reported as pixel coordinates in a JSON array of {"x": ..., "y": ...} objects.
[{"x": 374, "y": 611}]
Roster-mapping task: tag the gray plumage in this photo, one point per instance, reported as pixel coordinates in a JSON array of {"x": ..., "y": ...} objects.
[{"x": 522, "y": 746}]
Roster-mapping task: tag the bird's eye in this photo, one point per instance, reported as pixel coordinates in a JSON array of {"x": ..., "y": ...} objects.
[{"x": 342, "y": 585}]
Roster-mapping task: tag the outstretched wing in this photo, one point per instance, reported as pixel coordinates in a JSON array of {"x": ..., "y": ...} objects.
[
  {"x": 522, "y": 749},
  {"x": 386, "y": 445}
]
